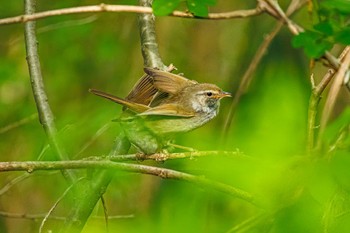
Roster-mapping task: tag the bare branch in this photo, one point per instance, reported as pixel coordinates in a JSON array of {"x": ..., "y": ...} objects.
[
  {"x": 61, "y": 218},
  {"x": 76, "y": 10},
  {"x": 48, "y": 214},
  {"x": 224, "y": 15},
  {"x": 334, "y": 91},
  {"x": 124, "y": 8},
  {"x": 45, "y": 114},
  {"x": 314, "y": 101},
  {"x": 31, "y": 166},
  {"x": 18, "y": 123},
  {"x": 248, "y": 75},
  {"x": 163, "y": 157}
]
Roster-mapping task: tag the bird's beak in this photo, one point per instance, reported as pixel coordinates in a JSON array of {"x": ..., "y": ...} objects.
[{"x": 223, "y": 94}]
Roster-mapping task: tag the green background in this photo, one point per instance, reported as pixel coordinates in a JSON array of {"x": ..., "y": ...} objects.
[{"x": 102, "y": 51}]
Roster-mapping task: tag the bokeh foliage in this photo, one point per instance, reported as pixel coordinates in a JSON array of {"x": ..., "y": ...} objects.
[{"x": 102, "y": 51}]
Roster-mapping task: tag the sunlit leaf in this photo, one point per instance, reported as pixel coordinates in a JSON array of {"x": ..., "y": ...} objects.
[
  {"x": 198, "y": 8},
  {"x": 313, "y": 43},
  {"x": 164, "y": 7}
]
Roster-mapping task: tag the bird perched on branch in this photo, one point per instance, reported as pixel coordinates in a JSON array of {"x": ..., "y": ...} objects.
[{"x": 162, "y": 104}]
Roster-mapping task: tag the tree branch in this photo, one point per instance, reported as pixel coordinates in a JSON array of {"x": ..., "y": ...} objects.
[
  {"x": 45, "y": 114},
  {"x": 31, "y": 166},
  {"x": 37, "y": 217},
  {"x": 163, "y": 157},
  {"x": 314, "y": 100},
  {"x": 338, "y": 81},
  {"x": 149, "y": 45},
  {"x": 124, "y": 8},
  {"x": 248, "y": 75}
]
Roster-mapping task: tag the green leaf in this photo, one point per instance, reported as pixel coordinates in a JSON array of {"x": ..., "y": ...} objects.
[
  {"x": 164, "y": 7},
  {"x": 343, "y": 6},
  {"x": 305, "y": 38},
  {"x": 324, "y": 27},
  {"x": 313, "y": 43},
  {"x": 318, "y": 49},
  {"x": 343, "y": 36},
  {"x": 198, "y": 8}
]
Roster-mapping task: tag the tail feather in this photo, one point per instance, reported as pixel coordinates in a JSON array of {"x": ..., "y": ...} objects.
[{"x": 135, "y": 107}]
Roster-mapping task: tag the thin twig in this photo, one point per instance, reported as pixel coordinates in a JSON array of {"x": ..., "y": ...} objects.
[
  {"x": 248, "y": 75},
  {"x": 105, "y": 212},
  {"x": 224, "y": 15},
  {"x": 273, "y": 8},
  {"x": 45, "y": 114},
  {"x": 36, "y": 217},
  {"x": 98, "y": 133},
  {"x": 251, "y": 223},
  {"x": 124, "y": 8},
  {"x": 18, "y": 123},
  {"x": 168, "y": 156},
  {"x": 56, "y": 204},
  {"x": 314, "y": 100},
  {"x": 333, "y": 93},
  {"x": 13, "y": 182},
  {"x": 31, "y": 166}
]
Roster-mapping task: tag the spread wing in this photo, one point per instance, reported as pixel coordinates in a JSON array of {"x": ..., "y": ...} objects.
[
  {"x": 168, "y": 82},
  {"x": 168, "y": 110},
  {"x": 143, "y": 92}
]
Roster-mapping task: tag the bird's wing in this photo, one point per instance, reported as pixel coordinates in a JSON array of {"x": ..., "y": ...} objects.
[
  {"x": 168, "y": 82},
  {"x": 143, "y": 92}
]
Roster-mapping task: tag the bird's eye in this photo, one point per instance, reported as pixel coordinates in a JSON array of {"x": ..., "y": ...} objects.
[{"x": 209, "y": 93}]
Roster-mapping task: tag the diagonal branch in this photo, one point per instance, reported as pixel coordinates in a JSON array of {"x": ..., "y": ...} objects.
[
  {"x": 248, "y": 75},
  {"x": 45, "y": 114},
  {"x": 338, "y": 81},
  {"x": 314, "y": 100}
]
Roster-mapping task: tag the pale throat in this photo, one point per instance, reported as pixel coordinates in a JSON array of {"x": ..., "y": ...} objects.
[{"x": 204, "y": 107}]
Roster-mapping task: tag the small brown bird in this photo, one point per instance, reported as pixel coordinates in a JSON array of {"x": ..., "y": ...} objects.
[{"x": 162, "y": 104}]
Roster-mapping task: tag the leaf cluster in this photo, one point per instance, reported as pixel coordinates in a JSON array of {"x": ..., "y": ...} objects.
[{"x": 333, "y": 27}]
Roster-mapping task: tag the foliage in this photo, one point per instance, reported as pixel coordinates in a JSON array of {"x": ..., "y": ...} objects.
[{"x": 333, "y": 27}]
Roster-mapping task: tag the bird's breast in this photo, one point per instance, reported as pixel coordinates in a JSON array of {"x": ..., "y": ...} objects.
[{"x": 170, "y": 125}]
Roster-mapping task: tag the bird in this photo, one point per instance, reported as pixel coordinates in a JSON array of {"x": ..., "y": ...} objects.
[{"x": 163, "y": 104}]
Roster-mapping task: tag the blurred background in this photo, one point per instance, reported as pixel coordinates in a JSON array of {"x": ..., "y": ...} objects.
[{"x": 102, "y": 51}]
